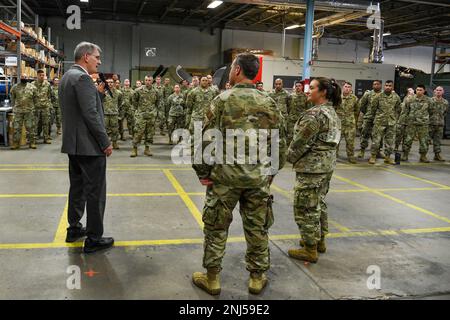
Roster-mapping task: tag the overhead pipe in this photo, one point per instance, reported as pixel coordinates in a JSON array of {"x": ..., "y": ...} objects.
[{"x": 335, "y": 6}]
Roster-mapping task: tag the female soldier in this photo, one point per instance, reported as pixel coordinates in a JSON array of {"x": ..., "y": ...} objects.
[
  {"x": 176, "y": 111},
  {"x": 313, "y": 155}
]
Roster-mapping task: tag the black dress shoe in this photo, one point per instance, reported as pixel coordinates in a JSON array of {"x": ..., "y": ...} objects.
[
  {"x": 75, "y": 234},
  {"x": 91, "y": 246}
]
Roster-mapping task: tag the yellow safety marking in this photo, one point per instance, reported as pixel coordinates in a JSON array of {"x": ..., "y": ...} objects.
[
  {"x": 154, "y": 194},
  {"x": 62, "y": 226},
  {"x": 290, "y": 196},
  {"x": 142, "y": 243},
  {"x": 404, "y": 203},
  {"x": 185, "y": 197},
  {"x": 416, "y": 178}
]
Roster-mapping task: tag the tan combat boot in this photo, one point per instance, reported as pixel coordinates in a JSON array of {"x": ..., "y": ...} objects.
[
  {"x": 134, "y": 152},
  {"x": 15, "y": 146},
  {"x": 48, "y": 141},
  {"x": 437, "y": 157},
  {"x": 33, "y": 145},
  {"x": 257, "y": 282},
  {"x": 58, "y": 131},
  {"x": 405, "y": 156},
  {"x": 388, "y": 160},
  {"x": 147, "y": 151},
  {"x": 361, "y": 154},
  {"x": 115, "y": 145},
  {"x": 321, "y": 245},
  {"x": 308, "y": 253},
  {"x": 352, "y": 159},
  {"x": 373, "y": 159},
  {"x": 423, "y": 158},
  {"x": 209, "y": 281},
  {"x": 380, "y": 155}
]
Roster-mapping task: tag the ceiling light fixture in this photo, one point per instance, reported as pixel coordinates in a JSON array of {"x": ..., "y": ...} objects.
[
  {"x": 214, "y": 4},
  {"x": 295, "y": 26}
]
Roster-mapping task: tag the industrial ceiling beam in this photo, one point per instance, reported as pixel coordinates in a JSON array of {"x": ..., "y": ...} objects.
[
  {"x": 430, "y": 3},
  {"x": 141, "y": 8},
  {"x": 237, "y": 10},
  {"x": 191, "y": 12},
  {"x": 335, "y": 6},
  {"x": 170, "y": 7},
  {"x": 214, "y": 18}
]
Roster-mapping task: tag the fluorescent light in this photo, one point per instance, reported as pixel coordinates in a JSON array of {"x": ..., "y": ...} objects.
[
  {"x": 214, "y": 4},
  {"x": 84, "y": 0},
  {"x": 295, "y": 26},
  {"x": 384, "y": 34}
]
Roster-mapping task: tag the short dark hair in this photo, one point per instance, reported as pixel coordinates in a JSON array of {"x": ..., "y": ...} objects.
[
  {"x": 421, "y": 86},
  {"x": 298, "y": 82},
  {"x": 389, "y": 81},
  {"x": 348, "y": 83},
  {"x": 332, "y": 88},
  {"x": 249, "y": 64},
  {"x": 40, "y": 71},
  {"x": 259, "y": 83},
  {"x": 378, "y": 81}
]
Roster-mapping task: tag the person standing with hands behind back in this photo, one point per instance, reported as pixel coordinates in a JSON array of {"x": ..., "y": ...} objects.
[
  {"x": 87, "y": 145},
  {"x": 313, "y": 154}
]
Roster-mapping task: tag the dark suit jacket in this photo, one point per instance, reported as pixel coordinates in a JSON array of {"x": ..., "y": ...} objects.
[{"x": 83, "y": 122}]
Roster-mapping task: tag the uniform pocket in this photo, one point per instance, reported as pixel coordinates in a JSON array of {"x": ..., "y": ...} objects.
[{"x": 270, "y": 219}]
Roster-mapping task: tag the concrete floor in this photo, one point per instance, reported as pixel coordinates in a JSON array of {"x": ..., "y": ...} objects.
[{"x": 396, "y": 218}]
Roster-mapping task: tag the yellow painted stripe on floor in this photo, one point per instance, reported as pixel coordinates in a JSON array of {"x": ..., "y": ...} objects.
[
  {"x": 60, "y": 235},
  {"x": 289, "y": 195},
  {"x": 185, "y": 197},
  {"x": 142, "y": 243},
  {"x": 404, "y": 203},
  {"x": 416, "y": 178}
]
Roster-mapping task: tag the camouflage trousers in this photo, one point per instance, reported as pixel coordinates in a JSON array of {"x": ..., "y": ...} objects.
[
  {"x": 175, "y": 122},
  {"x": 436, "y": 134},
  {"x": 400, "y": 130},
  {"x": 161, "y": 118},
  {"x": 366, "y": 133},
  {"x": 127, "y": 115},
  {"x": 422, "y": 132},
  {"x": 380, "y": 133},
  {"x": 255, "y": 206},
  {"x": 24, "y": 119},
  {"x": 144, "y": 129},
  {"x": 112, "y": 126},
  {"x": 42, "y": 119},
  {"x": 290, "y": 124},
  {"x": 349, "y": 134},
  {"x": 58, "y": 117},
  {"x": 310, "y": 209}
]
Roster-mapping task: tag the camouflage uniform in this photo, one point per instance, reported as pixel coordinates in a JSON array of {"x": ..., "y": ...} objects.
[
  {"x": 23, "y": 99},
  {"x": 56, "y": 108},
  {"x": 167, "y": 90},
  {"x": 297, "y": 106},
  {"x": 400, "y": 126},
  {"x": 438, "y": 113},
  {"x": 43, "y": 106},
  {"x": 384, "y": 110},
  {"x": 242, "y": 107},
  {"x": 197, "y": 103},
  {"x": 111, "y": 109},
  {"x": 417, "y": 121},
  {"x": 313, "y": 154},
  {"x": 215, "y": 90},
  {"x": 364, "y": 106},
  {"x": 283, "y": 99},
  {"x": 176, "y": 113},
  {"x": 348, "y": 112},
  {"x": 161, "y": 115},
  {"x": 146, "y": 101},
  {"x": 127, "y": 109}
]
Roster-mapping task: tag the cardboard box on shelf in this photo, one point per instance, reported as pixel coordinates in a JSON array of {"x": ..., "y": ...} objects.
[{"x": 39, "y": 33}]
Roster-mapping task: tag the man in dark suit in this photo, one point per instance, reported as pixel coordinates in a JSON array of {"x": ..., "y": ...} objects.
[{"x": 87, "y": 145}]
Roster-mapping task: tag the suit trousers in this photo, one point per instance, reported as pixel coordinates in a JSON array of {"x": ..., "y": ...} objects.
[{"x": 87, "y": 191}]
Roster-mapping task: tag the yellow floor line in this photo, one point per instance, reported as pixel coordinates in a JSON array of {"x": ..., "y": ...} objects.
[
  {"x": 60, "y": 235},
  {"x": 289, "y": 195},
  {"x": 185, "y": 197},
  {"x": 404, "y": 203},
  {"x": 143, "y": 243},
  {"x": 416, "y": 178}
]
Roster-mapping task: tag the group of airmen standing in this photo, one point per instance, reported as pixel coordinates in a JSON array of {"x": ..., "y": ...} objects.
[
  {"x": 155, "y": 104},
  {"x": 36, "y": 107}
]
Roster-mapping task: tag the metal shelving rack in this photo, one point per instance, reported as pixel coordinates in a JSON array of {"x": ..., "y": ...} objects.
[{"x": 13, "y": 33}]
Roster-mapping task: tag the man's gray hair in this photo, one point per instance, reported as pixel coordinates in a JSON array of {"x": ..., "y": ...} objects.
[{"x": 85, "y": 48}]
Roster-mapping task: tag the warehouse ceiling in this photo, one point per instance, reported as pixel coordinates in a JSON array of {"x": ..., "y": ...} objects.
[{"x": 409, "y": 22}]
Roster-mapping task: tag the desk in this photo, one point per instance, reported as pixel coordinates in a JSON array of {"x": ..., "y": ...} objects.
[{"x": 4, "y": 124}]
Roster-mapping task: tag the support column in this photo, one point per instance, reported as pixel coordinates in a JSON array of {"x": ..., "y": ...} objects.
[
  {"x": 433, "y": 63},
  {"x": 19, "y": 53},
  {"x": 307, "y": 45}
]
